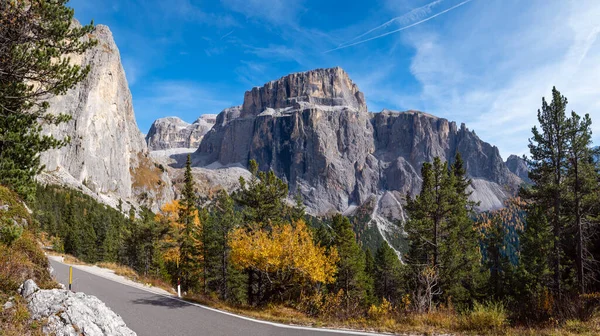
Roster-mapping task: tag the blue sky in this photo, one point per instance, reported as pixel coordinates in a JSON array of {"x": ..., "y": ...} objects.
[{"x": 483, "y": 62}]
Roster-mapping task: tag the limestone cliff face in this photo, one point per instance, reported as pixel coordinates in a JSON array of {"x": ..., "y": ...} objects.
[
  {"x": 107, "y": 150},
  {"x": 519, "y": 167},
  {"x": 172, "y": 132},
  {"x": 314, "y": 131},
  {"x": 405, "y": 140},
  {"x": 324, "y": 87}
]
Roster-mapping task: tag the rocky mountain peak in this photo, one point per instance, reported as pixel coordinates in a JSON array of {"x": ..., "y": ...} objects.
[
  {"x": 172, "y": 132},
  {"x": 207, "y": 118},
  {"x": 107, "y": 157},
  {"x": 322, "y": 87},
  {"x": 312, "y": 129},
  {"x": 518, "y": 166}
]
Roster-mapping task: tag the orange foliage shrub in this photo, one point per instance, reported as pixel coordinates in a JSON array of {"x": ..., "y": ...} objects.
[{"x": 287, "y": 253}]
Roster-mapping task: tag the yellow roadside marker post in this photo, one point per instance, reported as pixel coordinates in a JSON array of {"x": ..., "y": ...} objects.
[{"x": 70, "y": 276}]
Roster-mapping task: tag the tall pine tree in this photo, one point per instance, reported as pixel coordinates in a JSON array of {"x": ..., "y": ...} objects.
[
  {"x": 351, "y": 277},
  {"x": 262, "y": 197},
  {"x": 224, "y": 278},
  {"x": 549, "y": 147},
  {"x": 441, "y": 233},
  {"x": 191, "y": 249},
  {"x": 388, "y": 274},
  {"x": 582, "y": 184},
  {"x": 460, "y": 274},
  {"x": 36, "y": 39}
]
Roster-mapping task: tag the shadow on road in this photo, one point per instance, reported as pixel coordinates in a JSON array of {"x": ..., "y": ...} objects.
[{"x": 160, "y": 301}]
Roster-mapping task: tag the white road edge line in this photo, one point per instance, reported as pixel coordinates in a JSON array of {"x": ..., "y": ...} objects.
[{"x": 274, "y": 324}]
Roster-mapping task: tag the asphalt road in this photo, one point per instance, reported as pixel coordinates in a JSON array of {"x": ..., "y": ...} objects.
[{"x": 150, "y": 314}]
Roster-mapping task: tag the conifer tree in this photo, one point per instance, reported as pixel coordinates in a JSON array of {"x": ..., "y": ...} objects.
[
  {"x": 188, "y": 194},
  {"x": 533, "y": 273},
  {"x": 191, "y": 237},
  {"x": 549, "y": 148},
  {"x": 224, "y": 278},
  {"x": 263, "y": 206},
  {"x": 388, "y": 274},
  {"x": 582, "y": 184},
  {"x": 460, "y": 274},
  {"x": 370, "y": 275},
  {"x": 496, "y": 260},
  {"x": 36, "y": 38},
  {"x": 441, "y": 233},
  {"x": 297, "y": 212},
  {"x": 262, "y": 198},
  {"x": 351, "y": 277},
  {"x": 428, "y": 213}
]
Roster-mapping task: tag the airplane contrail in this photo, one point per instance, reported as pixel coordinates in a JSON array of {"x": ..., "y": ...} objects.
[
  {"x": 224, "y": 36},
  {"x": 425, "y": 8},
  {"x": 399, "y": 29}
]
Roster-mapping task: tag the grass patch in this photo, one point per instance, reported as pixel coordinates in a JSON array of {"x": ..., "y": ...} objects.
[
  {"x": 121, "y": 270},
  {"x": 485, "y": 317},
  {"x": 15, "y": 321},
  {"x": 20, "y": 260},
  {"x": 146, "y": 176},
  {"x": 12, "y": 207}
]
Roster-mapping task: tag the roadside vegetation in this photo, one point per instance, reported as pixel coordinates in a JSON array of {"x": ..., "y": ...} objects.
[
  {"x": 21, "y": 258},
  {"x": 35, "y": 38}
]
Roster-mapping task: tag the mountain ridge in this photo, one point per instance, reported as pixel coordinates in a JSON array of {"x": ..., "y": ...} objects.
[
  {"x": 173, "y": 132},
  {"x": 107, "y": 157},
  {"x": 312, "y": 128},
  {"x": 321, "y": 128}
]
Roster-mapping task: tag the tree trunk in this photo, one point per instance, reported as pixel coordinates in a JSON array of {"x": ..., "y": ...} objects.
[
  {"x": 250, "y": 290},
  {"x": 579, "y": 227},
  {"x": 224, "y": 275},
  {"x": 556, "y": 222}
]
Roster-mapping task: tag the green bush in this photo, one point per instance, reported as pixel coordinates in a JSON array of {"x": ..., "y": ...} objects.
[
  {"x": 14, "y": 207},
  {"x": 9, "y": 232},
  {"x": 484, "y": 317}
]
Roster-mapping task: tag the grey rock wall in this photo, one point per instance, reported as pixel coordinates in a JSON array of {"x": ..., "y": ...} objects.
[
  {"x": 107, "y": 148},
  {"x": 518, "y": 166},
  {"x": 172, "y": 132},
  {"x": 314, "y": 131}
]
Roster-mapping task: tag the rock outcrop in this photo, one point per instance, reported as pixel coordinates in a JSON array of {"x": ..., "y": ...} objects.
[
  {"x": 518, "y": 166},
  {"x": 107, "y": 150},
  {"x": 64, "y": 313},
  {"x": 172, "y": 132},
  {"x": 314, "y": 131}
]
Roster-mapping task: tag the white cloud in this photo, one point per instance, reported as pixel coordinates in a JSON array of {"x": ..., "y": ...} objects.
[
  {"x": 279, "y": 12},
  {"x": 132, "y": 70},
  {"x": 277, "y": 52},
  {"x": 187, "y": 100},
  {"x": 251, "y": 73},
  {"x": 494, "y": 81},
  {"x": 187, "y": 10}
]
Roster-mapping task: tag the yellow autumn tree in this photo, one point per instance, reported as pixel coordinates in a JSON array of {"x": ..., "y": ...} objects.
[
  {"x": 181, "y": 244},
  {"x": 286, "y": 255}
]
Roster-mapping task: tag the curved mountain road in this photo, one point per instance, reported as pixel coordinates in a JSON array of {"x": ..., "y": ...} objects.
[{"x": 149, "y": 314}]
